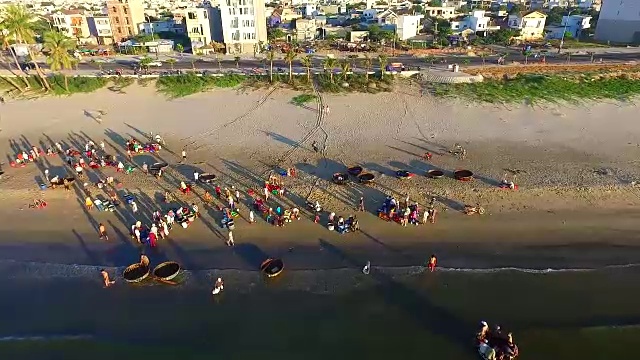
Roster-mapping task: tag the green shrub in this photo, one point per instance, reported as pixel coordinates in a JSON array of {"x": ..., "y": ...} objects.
[
  {"x": 302, "y": 99},
  {"x": 190, "y": 83}
]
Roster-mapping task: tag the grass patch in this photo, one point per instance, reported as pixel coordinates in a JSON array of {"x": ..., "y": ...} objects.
[
  {"x": 189, "y": 84},
  {"x": 546, "y": 88},
  {"x": 76, "y": 84},
  {"x": 357, "y": 83},
  {"x": 122, "y": 82},
  {"x": 302, "y": 99}
]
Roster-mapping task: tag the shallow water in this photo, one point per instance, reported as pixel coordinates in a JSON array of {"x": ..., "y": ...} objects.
[{"x": 399, "y": 312}]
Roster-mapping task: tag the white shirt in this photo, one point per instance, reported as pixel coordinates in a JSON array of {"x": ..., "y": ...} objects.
[
  {"x": 184, "y": 153},
  {"x": 196, "y": 175},
  {"x": 154, "y": 229}
]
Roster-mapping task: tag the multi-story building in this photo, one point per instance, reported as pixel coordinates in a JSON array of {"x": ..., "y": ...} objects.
[
  {"x": 100, "y": 28},
  {"x": 241, "y": 25},
  {"x": 619, "y": 22},
  {"x": 198, "y": 25},
  {"x": 125, "y": 15},
  {"x": 531, "y": 24},
  {"x": 72, "y": 23}
]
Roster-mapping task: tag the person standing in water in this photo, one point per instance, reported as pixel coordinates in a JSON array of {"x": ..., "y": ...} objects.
[
  {"x": 230, "y": 241},
  {"x": 432, "y": 263},
  {"x": 144, "y": 260},
  {"x": 218, "y": 287},
  {"x": 105, "y": 277}
]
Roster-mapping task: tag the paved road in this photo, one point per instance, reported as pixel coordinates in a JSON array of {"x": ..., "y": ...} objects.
[{"x": 247, "y": 65}]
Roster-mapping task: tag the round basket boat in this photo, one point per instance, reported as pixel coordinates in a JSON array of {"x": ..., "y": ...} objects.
[
  {"x": 167, "y": 270},
  {"x": 340, "y": 178},
  {"x": 207, "y": 178},
  {"x": 366, "y": 178},
  {"x": 355, "y": 170},
  {"x": 435, "y": 174},
  {"x": 158, "y": 166},
  {"x": 404, "y": 174},
  {"x": 272, "y": 267},
  {"x": 463, "y": 175},
  {"x": 135, "y": 273}
]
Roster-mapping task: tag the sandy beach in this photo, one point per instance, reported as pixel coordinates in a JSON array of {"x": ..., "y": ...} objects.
[
  {"x": 576, "y": 206},
  {"x": 575, "y": 166}
]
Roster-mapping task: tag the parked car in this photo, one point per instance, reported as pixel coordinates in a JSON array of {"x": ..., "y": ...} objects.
[{"x": 155, "y": 63}]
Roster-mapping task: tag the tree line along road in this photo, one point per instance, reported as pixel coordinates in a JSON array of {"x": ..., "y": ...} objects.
[{"x": 212, "y": 64}]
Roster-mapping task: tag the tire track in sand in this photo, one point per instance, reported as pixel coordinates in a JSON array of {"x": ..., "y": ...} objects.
[{"x": 252, "y": 109}]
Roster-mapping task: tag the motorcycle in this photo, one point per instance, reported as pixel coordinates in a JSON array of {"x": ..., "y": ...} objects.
[{"x": 470, "y": 209}]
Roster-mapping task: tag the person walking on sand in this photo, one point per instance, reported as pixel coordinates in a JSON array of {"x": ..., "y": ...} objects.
[
  {"x": 105, "y": 277},
  {"x": 251, "y": 218},
  {"x": 46, "y": 174},
  {"x": 196, "y": 176},
  {"x": 425, "y": 216},
  {"x": 145, "y": 168},
  {"x": 102, "y": 145},
  {"x": 134, "y": 207},
  {"x": 237, "y": 194},
  {"x": 88, "y": 202},
  {"x": 432, "y": 263},
  {"x": 230, "y": 241},
  {"x": 184, "y": 155},
  {"x": 361, "y": 204},
  {"x": 103, "y": 232},
  {"x": 314, "y": 146}
]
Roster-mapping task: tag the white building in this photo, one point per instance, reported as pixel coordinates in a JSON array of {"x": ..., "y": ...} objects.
[
  {"x": 619, "y": 22},
  {"x": 100, "y": 28},
  {"x": 198, "y": 24},
  {"x": 477, "y": 23},
  {"x": 241, "y": 25},
  {"x": 407, "y": 26},
  {"x": 442, "y": 12},
  {"x": 71, "y": 23}
]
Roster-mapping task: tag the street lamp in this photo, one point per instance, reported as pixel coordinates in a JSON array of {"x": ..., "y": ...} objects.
[
  {"x": 153, "y": 38},
  {"x": 564, "y": 31}
]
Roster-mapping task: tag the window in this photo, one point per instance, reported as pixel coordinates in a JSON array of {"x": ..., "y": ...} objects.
[
  {"x": 192, "y": 16},
  {"x": 119, "y": 31},
  {"x": 114, "y": 9},
  {"x": 117, "y": 20},
  {"x": 127, "y": 21},
  {"x": 124, "y": 10}
]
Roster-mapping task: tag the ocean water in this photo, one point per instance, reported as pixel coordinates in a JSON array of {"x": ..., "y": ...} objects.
[{"x": 62, "y": 312}]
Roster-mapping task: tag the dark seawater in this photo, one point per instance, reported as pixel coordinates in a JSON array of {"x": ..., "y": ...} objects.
[{"x": 343, "y": 314}]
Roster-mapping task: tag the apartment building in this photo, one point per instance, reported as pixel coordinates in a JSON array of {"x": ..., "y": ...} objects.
[
  {"x": 125, "y": 15},
  {"x": 100, "y": 28},
  {"x": 198, "y": 22},
  {"x": 72, "y": 23},
  {"x": 241, "y": 25},
  {"x": 619, "y": 21}
]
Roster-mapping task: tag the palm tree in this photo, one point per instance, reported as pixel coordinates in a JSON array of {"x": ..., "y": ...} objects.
[
  {"x": 144, "y": 62},
  {"x": 59, "y": 59},
  {"x": 289, "y": 57},
  {"x": 345, "y": 67},
  {"x": 8, "y": 78},
  {"x": 180, "y": 48},
  {"x": 172, "y": 62},
  {"x": 307, "y": 62},
  {"x": 18, "y": 23},
  {"x": 526, "y": 54},
  {"x": 330, "y": 64},
  {"x": 6, "y": 46},
  {"x": 368, "y": 63},
  {"x": 382, "y": 61},
  {"x": 270, "y": 56}
]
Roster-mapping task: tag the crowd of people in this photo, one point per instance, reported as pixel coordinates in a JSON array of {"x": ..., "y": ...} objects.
[{"x": 495, "y": 344}]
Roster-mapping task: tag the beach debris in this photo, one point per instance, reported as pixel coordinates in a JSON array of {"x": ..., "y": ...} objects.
[{"x": 604, "y": 171}]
